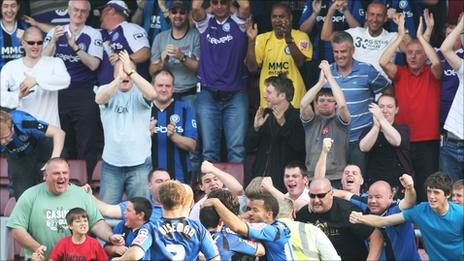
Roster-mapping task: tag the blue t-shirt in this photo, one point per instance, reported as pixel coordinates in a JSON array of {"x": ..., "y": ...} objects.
[
  {"x": 164, "y": 152},
  {"x": 27, "y": 132},
  {"x": 142, "y": 237},
  {"x": 231, "y": 245},
  {"x": 275, "y": 238},
  {"x": 10, "y": 43},
  {"x": 156, "y": 213},
  {"x": 359, "y": 88},
  {"x": 181, "y": 239},
  {"x": 154, "y": 22},
  {"x": 442, "y": 235},
  {"x": 401, "y": 237}
]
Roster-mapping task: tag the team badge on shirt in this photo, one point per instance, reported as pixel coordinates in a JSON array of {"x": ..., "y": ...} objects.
[
  {"x": 115, "y": 37},
  {"x": 287, "y": 50},
  {"x": 174, "y": 118},
  {"x": 226, "y": 27},
  {"x": 138, "y": 36},
  {"x": 403, "y": 4},
  {"x": 304, "y": 44},
  {"x": 98, "y": 42}
]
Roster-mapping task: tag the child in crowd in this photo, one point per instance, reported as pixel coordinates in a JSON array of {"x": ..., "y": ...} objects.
[
  {"x": 78, "y": 246},
  {"x": 135, "y": 228}
]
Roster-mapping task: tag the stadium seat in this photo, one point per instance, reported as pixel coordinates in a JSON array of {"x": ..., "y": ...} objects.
[
  {"x": 3, "y": 172},
  {"x": 15, "y": 251},
  {"x": 78, "y": 172},
  {"x": 234, "y": 169},
  {"x": 4, "y": 197}
]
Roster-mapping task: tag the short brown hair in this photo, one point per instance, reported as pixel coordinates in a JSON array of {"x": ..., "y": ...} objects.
[{"x": 171, "y": 194}]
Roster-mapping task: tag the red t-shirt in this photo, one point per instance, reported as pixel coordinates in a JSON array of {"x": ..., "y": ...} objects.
[
  {"x": 90, "y": 249},
  {"x": 419, "y": 103}
]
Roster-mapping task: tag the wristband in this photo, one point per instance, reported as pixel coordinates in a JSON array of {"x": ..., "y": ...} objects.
[{"x": 78, "y": 49}]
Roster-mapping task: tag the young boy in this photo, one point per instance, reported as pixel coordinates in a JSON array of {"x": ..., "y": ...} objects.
[
  {"x": 135, "y": 228},
  {"x": 78, "y": 246}
]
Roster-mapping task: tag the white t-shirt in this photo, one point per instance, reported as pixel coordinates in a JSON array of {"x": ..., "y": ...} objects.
[
  {"x": 51, "y": 75},
  {"x": 368, "y": 49}
]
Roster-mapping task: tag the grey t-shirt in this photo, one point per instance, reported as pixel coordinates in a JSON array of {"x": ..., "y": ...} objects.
[{"x": 190, "y": 45}]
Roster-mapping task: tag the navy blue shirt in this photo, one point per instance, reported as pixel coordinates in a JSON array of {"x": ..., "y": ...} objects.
[
  {"x": 27, "y": 132},
  {"x": 164, "y": 152}
]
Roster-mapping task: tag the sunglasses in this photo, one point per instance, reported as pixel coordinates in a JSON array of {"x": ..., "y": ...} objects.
[
  {"x": 34, "y": 42},
  {"x": 176, "y": 11},
  {"x": 216, "y": 2},
  {"x": 319, "y": 195}
]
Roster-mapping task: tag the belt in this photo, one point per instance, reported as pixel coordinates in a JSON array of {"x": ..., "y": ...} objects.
[
  {"x": 220, "y": 95},
  {"x": 450, "y": 137},
  {"x": 190, "y": 91}
]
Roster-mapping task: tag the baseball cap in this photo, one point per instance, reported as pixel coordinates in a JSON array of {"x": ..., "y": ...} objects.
[
  {"x": 119, "y": 6},
  {"x": 180, "y": 4}
]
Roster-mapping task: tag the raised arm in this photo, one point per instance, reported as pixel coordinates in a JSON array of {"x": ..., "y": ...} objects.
[
  {"x": 391, "y": 134},
  {"x": 437, "y": 69},
  {"x": 409, "y": 199},
  {"x": 57, "y": 135},
  {"x": 144, "y": 86},
  {"x": 308, "y": 25},
  {"x": 447, "y": 45},
  {"x": 87, "y": 59},
  {"x": 366, "y": 143},
  {"x": 229, "y": 218},
  {"x": 337, "y": 92},
  {"x": 252, "y": 32},
  {"x": 229, "y": 181},
  {"x": 376, "y": 221},
  {"x": 327, "y": 28},
  {"x": 105, "y": 93},
  {"x": 198, "y": 13},
  {"x": 137, "y": 17},
  {"x": 267, "y": 185},
  {"x": 321, "y": 165},
  {"x": 385, "y": 60},
  {"x": 306, "y": 111},
  {"x": 244, "y": 9}
]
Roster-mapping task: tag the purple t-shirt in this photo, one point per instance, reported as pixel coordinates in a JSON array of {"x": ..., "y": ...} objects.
[
  {"x": 89, "y": 40},
  {"x": 223, "y": 48},
  {"x": 127, "y": 36},
  {"x": 449, "y": 86}
]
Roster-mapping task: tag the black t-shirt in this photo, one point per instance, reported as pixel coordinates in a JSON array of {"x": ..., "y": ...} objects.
[{"x": 348, "y": 239}]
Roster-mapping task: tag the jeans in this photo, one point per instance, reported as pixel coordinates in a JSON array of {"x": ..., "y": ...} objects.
[
  {"x": 117, "y": 180},
  {"x": 217, "y": 114},
  {"x": 452, "y": 158}
]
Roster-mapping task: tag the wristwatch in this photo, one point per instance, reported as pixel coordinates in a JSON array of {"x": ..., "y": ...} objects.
[
  {"x": 183, "y": 58},
  {"x": 131, "y": 72}
]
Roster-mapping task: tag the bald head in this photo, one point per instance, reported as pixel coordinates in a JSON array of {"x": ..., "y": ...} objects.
[
  {"x": 380, "y": 197},
  {"x": 32, "y": 30},
  {"x": 381, "y": 186},
  {"x": 320, "y": 184}
]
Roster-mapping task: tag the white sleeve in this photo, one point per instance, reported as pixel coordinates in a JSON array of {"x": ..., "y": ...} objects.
[
  {"x": 56, "y": 76},
  {"x": 49, "y": 36},
  {"x": 9, "y": 89},
  {"x": 136, "y": 36},
  {"x": 203, "y": 24},
  {"x": 96, "y": 44},
  {"x": 240, "y": 22},
  {"x": 325, "y": 247}
]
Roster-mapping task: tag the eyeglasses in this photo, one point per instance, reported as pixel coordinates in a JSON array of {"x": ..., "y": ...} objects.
[
  {"x": 34, "y": 42},
  {"x": 319, "y": 195},
  {"x": 178, "y": 11},
  {"x": 321, "y": 100},
  {"x": 216, "y": 2}
]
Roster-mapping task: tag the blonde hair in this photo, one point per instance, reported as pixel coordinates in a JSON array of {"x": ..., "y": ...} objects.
[{"x": 254, "y": 187}]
